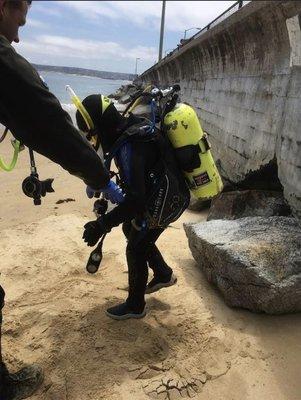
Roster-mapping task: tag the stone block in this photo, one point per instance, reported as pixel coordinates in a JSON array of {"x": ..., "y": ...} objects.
[
  {"x": 255, "y": 262},
  {"x": 248, "y": 203}
]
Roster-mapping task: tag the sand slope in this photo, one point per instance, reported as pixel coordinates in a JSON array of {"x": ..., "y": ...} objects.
[
  {"x": 55, "y": 316},
  {"x": 189, "y": 344}
]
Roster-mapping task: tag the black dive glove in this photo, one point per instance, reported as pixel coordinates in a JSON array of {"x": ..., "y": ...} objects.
[{"x": 94, "y": 230}]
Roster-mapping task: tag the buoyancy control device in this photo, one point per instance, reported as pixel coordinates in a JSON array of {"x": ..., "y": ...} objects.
[
  {"x": 181, "y": 125},
  {"x": 168, "y": 193}
]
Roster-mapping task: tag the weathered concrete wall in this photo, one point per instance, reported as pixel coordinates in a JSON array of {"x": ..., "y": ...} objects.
[{"x": 244, "y": 79}]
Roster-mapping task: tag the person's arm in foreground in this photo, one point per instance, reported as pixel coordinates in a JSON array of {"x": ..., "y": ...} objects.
[{"x": 39, "y": 121}]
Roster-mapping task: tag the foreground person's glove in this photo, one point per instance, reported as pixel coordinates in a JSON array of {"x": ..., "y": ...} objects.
[
  {"x": 111, "y": 192},
  {"x": 93, "y": 231}
]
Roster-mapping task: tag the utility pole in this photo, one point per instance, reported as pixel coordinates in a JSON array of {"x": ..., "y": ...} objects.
[
  {"x": 162, "y": 30},
  {"x": 136, "y": 66}
]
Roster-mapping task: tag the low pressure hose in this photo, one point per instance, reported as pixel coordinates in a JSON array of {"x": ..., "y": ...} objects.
[
  {"x": 4, "y": 135},
  {"x": 11, "y": 166}
]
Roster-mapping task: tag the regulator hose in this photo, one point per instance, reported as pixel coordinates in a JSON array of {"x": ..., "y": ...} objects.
[
  {"x": 4, "y": 135},
  {"x": 11, "y": 166}
]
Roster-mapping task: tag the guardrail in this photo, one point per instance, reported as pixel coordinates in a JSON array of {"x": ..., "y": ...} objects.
[{"x": 231, "y": 10}]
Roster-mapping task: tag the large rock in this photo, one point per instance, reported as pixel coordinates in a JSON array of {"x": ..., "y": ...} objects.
[
  {"x": 126, "y": 92},
  {"x": 255, "y": 262},
  {"x": 125, "y": 99},
  {"x": 198, "y": 204},
  {"x": 248, "y": 203}
]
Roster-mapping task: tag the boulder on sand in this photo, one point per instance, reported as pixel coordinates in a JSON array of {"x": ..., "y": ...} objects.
[
  {"x": 255, "y": 262},
  {"x": 198, "y": 204},
  {"x": 248, "y": 203},
  {"x": 126, "y": 93}
]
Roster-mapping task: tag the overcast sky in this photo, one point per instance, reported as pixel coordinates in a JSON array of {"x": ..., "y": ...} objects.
[{"x": 109, "y": 35}]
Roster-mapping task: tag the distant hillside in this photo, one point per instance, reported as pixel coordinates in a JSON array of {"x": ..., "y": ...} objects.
[{"x": 86, "y": 72}]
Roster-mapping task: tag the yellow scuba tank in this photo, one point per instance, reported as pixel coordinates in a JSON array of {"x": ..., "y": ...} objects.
[{"x": 193, "y": 151}]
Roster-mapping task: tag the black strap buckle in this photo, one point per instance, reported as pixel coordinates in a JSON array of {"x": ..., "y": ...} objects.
[{"x": 204, "y": 143}]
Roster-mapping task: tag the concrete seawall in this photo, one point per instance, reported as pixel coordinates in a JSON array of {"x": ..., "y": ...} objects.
[{"x": 243, "y": 77}]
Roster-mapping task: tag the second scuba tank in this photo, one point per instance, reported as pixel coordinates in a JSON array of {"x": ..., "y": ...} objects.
[{"x": 193, "y": 151}]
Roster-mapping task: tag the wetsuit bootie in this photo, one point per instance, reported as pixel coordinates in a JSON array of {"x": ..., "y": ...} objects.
[
  {"x": 124, "y": 311},
  {"x": 158, "y": 283},
  {"x": 21, "y": 384}
]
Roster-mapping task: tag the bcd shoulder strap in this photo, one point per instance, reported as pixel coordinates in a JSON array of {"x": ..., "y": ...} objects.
[{"x": 140, "y": 132}]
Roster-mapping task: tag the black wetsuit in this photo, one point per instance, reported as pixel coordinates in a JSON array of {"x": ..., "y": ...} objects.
[
  {"x": 141, "y": 251},
  {"x": 36, "y": 119}
]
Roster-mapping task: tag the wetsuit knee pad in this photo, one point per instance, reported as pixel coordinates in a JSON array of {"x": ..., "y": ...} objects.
[{"x": 2, "y": 296}]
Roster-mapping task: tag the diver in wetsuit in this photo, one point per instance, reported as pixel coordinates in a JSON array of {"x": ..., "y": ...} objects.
[{"x": 140, "y": 162}]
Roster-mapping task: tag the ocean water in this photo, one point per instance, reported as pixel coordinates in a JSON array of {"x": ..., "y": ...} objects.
[{"x": 82, "y": 85}]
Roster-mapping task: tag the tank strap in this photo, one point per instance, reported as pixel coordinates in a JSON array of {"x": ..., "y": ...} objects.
[
  {"x": 139, "y": 132},
  {"x": 189, "y": 156},
  {"x": 204, "y": 140}
]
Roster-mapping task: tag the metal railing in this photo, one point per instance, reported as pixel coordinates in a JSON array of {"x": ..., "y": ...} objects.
[{"x": 231, "y": 10}]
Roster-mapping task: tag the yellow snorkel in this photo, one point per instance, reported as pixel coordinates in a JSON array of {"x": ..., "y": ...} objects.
[
  {"x": 81, "y": 108},
  {"x": 16, "y": 146},
  {"x": 79, "y": 105}
]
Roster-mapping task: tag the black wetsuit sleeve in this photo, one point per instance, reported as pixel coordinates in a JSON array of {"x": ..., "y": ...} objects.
[
  {"x": 36, "y": 118},
  {"x": 136, "y": 196}
]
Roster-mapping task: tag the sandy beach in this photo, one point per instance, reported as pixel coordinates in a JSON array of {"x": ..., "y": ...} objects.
[{"x": 190, "y": 344}]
